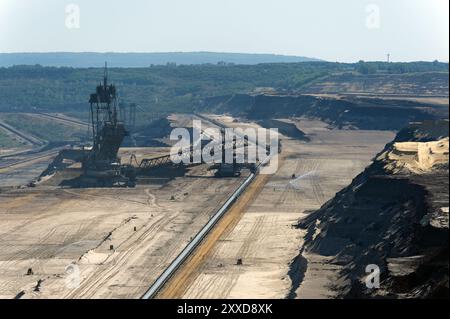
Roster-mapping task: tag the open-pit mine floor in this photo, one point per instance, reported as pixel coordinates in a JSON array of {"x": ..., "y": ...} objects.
[
  {"x": 253, "y": 256},
  {"x": 59, "y": 242},
  {"x": 100, "y": 243}
]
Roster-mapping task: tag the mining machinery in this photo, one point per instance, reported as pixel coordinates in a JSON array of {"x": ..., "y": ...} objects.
[{"x": 101, "y": 164}]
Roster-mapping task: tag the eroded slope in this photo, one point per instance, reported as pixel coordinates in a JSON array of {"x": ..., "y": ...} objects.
[{"x": 393, "y": 215}]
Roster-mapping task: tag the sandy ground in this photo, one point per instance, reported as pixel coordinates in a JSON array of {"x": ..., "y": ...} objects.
[
  {"x": 100, "y": 243},
  {"x": 264, "y": 238},
  {"x": 113, "y": 243},
  {"x": 176, "y": 287}
]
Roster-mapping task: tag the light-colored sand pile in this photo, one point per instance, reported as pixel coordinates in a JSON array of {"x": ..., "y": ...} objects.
[{"x": 417, "y": 157}]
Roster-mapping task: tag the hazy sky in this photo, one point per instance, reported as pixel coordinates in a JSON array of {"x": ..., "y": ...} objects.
[{"x": 344, "y": 30}]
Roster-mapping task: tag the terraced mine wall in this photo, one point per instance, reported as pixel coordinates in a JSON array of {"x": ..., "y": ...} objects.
[
  {"x": 358, "y": 113},
  {"x": 425, "y": 84},
  {"x": 398, "y": 222}
]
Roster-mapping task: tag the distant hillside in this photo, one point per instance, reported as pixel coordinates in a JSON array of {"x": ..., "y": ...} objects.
[
  {"x": 90, "y": 59},
  {"x": 185, "y": 88},
  {"x": 159, "y": 88}
]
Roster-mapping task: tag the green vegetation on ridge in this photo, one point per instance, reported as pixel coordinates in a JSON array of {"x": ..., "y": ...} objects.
[{"x": 165, "y": 89}]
